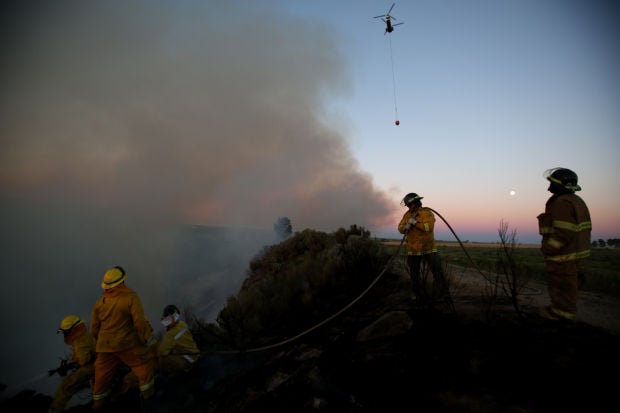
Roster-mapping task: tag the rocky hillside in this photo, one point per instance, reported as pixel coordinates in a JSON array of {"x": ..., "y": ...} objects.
[{"x": 385, "y": 353}]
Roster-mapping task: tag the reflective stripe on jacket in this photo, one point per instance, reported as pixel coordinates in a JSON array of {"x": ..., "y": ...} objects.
[
  {"x": 179, "y": 340},
  {"x": 565, "y": 227},
  {"x": 421, "y": 238}
]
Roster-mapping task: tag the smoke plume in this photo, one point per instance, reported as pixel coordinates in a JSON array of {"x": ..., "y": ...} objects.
[{"x": 122, "y": 120}]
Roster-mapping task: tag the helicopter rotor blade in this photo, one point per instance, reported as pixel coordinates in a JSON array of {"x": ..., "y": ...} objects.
[
  {"x": 393, "y": 4},
  {"x": 376, "y": 17},
  {"x": 398, "y": 24}
]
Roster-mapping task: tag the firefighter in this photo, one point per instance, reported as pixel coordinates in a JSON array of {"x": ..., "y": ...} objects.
[
  {"x": 123, "y": 335},
  {"x": 565, "y": 227},
  {"x": 418, "y": 223},
  {"x": 177, "y": 353},
  {"x": 81, "y": 361}
]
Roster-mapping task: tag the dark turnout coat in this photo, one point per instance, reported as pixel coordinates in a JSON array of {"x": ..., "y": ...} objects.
[{"x": 565, "y": 227}]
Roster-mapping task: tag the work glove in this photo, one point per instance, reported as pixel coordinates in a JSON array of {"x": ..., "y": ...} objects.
[
  {"x": 151, "y": 342},
  {"x": 410, "y": 224},
  {"x": 64, "y": 368}
]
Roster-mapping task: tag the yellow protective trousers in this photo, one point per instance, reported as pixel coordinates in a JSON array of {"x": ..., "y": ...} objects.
[
  {"x": 562, "y": 287},
  {"x": 141, "y": 362},
  {"x": 76, "y": 381},
  {"x": 172, "y": 367}
]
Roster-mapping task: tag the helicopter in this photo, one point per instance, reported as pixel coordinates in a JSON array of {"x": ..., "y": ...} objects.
[{"x": 388, "y": 20}]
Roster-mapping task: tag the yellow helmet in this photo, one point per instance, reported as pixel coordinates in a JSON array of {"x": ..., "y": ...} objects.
[
  {"x": 68, "y": 323},
  {"x": 113, "y": 277}
]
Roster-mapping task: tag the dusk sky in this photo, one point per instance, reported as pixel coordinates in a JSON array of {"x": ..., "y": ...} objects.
[
  {"x": 118, "y": 118},
  {"x": 192, "y": 111},
  {"x": 489, "y": 95}
]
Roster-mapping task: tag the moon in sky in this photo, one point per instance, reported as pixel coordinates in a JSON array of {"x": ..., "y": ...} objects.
[{"x": 512, "y": 193}]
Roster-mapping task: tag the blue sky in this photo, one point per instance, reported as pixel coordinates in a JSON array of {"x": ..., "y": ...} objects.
[
  {"x": 489, "y": 95},
  {"x": 187, "y": 111}
]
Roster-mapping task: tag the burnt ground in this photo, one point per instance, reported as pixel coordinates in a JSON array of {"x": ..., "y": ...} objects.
[{"x": 387, "y": 354}]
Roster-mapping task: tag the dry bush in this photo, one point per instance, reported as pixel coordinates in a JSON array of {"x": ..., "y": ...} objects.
[{"x": 298, "y": 283}]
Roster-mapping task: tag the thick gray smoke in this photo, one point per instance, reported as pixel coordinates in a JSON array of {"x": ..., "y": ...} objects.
[
  {"x": 197, "y": 111},
  {"x": 122, "y": 121}
]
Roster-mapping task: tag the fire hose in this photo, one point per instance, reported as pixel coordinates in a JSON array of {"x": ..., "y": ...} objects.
[{"x": 361, "y": 295}]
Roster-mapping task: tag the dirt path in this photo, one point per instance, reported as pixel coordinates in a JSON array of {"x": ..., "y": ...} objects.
[
  {"x": 469, "y": 286},
  {"x": 471, "y": 294}
]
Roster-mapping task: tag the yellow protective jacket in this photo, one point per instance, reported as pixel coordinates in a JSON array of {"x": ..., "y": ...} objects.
[
  {"x": 565, "y": 227},
  {"x": 179, "y": 340},
  {"x": 421, "y": 238},
  {"x": 82, "y": 344},
  {"x": 118, "y": 322}
]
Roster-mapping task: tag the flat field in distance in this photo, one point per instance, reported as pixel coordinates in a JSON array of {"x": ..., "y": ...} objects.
[{"x": 601, "y": 270}]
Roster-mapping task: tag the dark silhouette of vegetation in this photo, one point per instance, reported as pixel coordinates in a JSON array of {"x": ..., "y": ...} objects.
[
  {"x": 297, "y": 283},
  {"x": 601, "y": 243},
  {"x": 369, "y": 359},
  {"x": 512, "y": 275}
]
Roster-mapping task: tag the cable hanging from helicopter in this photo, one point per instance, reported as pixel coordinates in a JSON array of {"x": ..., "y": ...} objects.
[{"x": 389, "y": 28}]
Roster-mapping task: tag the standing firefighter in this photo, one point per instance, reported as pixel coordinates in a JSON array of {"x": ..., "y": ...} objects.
[
  {"x": 419, "y": 225},
  {"x": 122, "y": 335},
  {"x": 82, "y": 358},
  {"x": 565, "y": 227}
]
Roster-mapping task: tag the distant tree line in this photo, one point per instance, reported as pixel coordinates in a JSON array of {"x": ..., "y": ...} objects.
[{"x": 611, "y": 242}]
